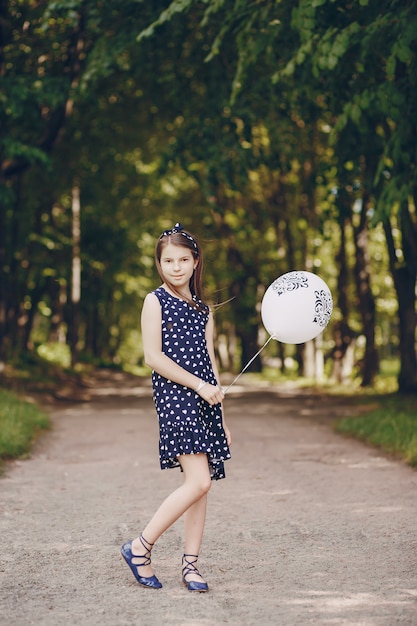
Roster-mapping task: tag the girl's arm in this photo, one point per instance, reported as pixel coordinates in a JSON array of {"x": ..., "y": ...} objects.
[
  {"x": 210, "y": 347},
  {"x": 155, "y": 358}
]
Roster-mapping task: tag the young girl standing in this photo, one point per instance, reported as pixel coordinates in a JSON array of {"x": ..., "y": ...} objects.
[{"x": 178, "y": 343}]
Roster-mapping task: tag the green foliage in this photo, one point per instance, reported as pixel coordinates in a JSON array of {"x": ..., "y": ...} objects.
[
  {"x": 260, "y": 126},
  {"x": 391, "y": 427},
  {"x": 58, "y": 353},
  {"x": 175, "y": 7},
  {"x": 20, "y": 422}
]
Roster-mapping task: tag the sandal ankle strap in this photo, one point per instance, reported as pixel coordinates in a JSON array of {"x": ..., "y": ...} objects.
[
  {"x": 147, "y": 555},
  {"x": 189, "y": 567}
]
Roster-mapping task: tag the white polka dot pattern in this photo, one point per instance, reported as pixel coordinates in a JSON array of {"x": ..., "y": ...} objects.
[{"x": 187, "y": 423}]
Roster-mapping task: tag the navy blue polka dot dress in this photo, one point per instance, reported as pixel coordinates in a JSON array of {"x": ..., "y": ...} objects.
[{"x": 187, "y": 423}]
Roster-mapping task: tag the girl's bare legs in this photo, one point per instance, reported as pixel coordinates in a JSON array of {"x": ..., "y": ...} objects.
[
  {"x": 197, "y": 482},
  {"x": 194, "y": 521}
]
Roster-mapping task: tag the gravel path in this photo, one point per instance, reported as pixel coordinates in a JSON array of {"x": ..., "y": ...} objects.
[{"x": 307, "y": 528}]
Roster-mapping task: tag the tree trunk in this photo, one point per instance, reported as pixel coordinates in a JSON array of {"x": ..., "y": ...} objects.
[
  {"x": 246, "y": 325},
  {"x": 27, "y": 318},
  {"x": 3, "y": 290},
  {"x": 245, "y": 316},
  {"x": 57, "y": 294},
  {"x": 75, "y": 274},
  {"x": 343, "y": 334},
  {"x": 248, "y": 337},
  {"x": 405, "y": 285},
  {"x": 366, "y": 300}
]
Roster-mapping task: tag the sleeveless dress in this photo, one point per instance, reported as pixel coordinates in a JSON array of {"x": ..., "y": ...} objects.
[{"x": 187, "y": 423}]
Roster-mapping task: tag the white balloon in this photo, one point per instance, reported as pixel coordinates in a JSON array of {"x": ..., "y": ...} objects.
[{"x": 296, "y": 307}]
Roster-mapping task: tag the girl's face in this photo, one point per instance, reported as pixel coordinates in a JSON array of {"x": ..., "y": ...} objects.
[{"x": 177, "y": 265}]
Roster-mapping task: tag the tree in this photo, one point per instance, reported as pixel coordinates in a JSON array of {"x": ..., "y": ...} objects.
[
  {"x": 229, "y": 117},
  {"x": 53, "y": 57},
  {"x": 371, "y": 51},
  {"x": 359, "y": 60}
]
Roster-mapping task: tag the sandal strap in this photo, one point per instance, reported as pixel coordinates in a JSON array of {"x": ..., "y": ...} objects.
[
  {"x": 147, "y": 555},
  {"x": 190, "y": 567}
]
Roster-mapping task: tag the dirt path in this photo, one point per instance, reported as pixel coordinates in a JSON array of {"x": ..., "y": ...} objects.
[{"x": 308, "y": 527}]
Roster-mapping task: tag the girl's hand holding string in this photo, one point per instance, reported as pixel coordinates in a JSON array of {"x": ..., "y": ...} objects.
[
  {"x": 212, "y": 394},
  {"x": 217, "y": 393}
]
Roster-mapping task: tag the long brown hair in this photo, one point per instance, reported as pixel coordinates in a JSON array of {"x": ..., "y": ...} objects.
[{"x": 180, "y": 237}]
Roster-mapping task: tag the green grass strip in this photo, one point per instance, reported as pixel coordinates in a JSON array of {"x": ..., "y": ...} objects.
[
  {"x": 391, "y": 427},
  {"x": 20, "y": 422}
]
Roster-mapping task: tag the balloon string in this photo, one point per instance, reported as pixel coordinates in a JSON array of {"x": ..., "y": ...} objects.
[{"x": 247, "y": 364}]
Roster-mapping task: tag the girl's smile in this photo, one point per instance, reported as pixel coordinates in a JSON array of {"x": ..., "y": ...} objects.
[{"x": 178, "y": 264}]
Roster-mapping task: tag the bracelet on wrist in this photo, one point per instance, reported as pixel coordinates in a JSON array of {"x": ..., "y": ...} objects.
[{"x": 200, "y": 385}]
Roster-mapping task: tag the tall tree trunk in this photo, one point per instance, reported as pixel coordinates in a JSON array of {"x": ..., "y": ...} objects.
[
  {"x": 3, "y": 194},
  {"x": 3, "y": 288},
  {"x": 404, "y": 276},
  {"x": 343, "y": 334},
  {"x": 366, "y": 300},
  {"x": 27, "y": 318},
  {"x": 246, "y": 324},
  {"x": 57, "y": 294},
  {"x": 75, "y": 273},
  {"x": 244, "y": 293},
  {"x": 16, "y": 315}
]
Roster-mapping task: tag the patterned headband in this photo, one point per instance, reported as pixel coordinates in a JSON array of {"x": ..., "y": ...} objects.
[{"x": 178, "y": 228}]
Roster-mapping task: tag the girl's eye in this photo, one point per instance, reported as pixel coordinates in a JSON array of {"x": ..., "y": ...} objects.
[{"x": 185, "y": 259}]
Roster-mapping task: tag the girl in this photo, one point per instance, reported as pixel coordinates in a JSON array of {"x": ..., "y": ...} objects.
[{"x": 177, "y": 332}]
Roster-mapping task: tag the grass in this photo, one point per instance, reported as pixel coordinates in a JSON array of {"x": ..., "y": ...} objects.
[
  {"x": 20, "y": 422},
  {"x": 392, "y": 427}
]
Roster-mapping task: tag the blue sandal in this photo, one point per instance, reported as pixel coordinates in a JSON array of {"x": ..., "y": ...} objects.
[
  {"x": 151, "y": 581},
  {"x": 189, "y": 567}
]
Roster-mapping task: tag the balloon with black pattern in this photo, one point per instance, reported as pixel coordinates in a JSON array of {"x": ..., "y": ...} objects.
[{"x": 296, "y": 307}]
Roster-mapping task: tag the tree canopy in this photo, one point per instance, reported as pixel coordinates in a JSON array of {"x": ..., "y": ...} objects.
[{"x": 282, "y": 133}]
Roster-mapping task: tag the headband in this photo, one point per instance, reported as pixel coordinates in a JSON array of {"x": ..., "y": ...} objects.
[{"x": 178, "y": 228}]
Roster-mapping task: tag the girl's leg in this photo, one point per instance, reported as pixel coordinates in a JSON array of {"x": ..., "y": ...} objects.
[
  {"x": 197, "y": 482},
  {"x": 194, "y": 521}
]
